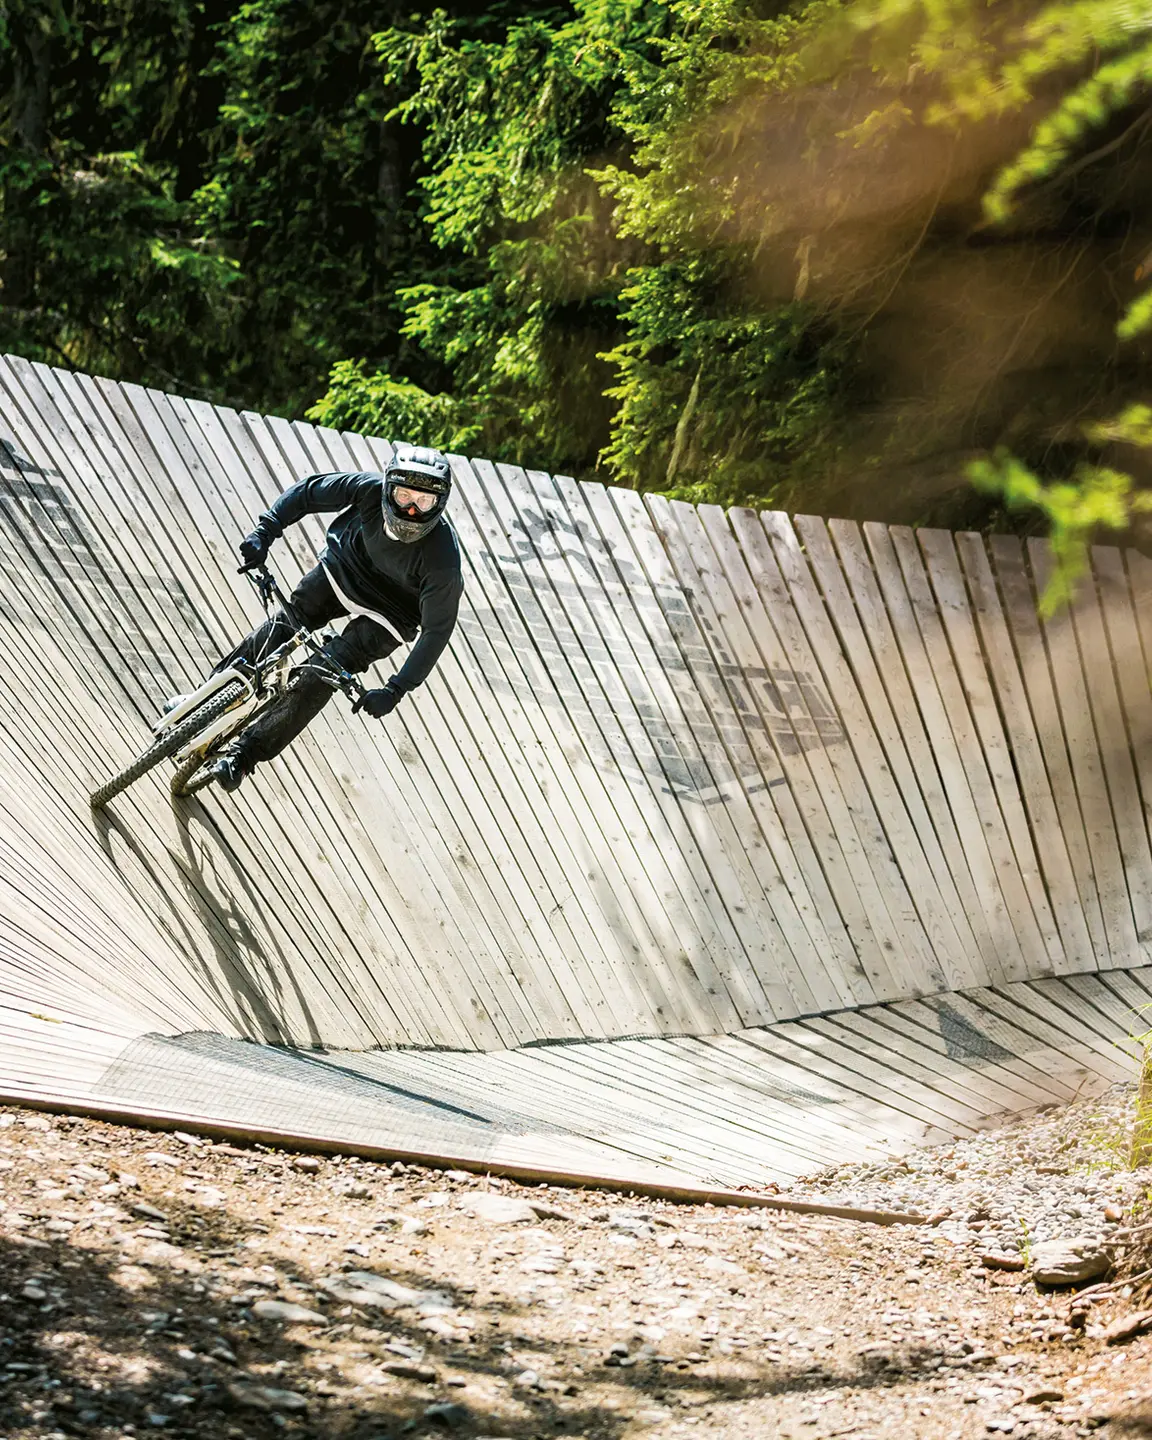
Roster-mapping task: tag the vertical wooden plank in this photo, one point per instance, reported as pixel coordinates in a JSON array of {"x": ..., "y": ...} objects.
[
  {"x": 592, "y": 717},
  {"x": 791, "y": 603},
  {"x": 1034, "y": 942},
  {"x": 578, "y": 638},
  {"x": 887, "y": 614},
  {"x": 937, "y": 694},
  {"x": 906, "y": 749},
  {"x": 1026, "y": 755},
  {"x": 572, "y": 779},
  {"x": 1075, "y": 710},
  {"x": 1019, "y": 604},
  {"x": 697, "y": 770},
  {"x": 1115, "y": 751},
  {"x": 603, "y": 570},
  {"x": 970, "y": 670},
  {"x": 820, "y": 765},
  {"x": 1129, "y": 666},
  {"x": 521, "y": 647},
  {"x": 776, "y": 815},
  {"x": 753, "y": 843},
  {"x": 583, "y": 587}
]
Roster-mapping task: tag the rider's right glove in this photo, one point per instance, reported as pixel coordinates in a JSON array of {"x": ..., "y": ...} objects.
[{"x": 253, "y": 548}]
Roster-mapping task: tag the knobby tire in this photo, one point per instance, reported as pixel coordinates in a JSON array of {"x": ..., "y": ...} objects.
[
  {"x": 191, "y": 775},
  {"x": 171, "y": 741}
]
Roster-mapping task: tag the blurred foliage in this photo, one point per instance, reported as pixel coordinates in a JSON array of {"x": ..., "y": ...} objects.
[
  {"x": 1094, "y": 497},
  {"x": 717, "y": 402},
  {"x": 1081, "y": 69},
  {"x": 824, "y": 255}
]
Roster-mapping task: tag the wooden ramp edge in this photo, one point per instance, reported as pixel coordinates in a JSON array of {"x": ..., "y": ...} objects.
[{"x": 761, "y": 1107}]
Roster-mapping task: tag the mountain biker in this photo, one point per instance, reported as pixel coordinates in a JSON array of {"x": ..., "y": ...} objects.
[{"x": 391, "y": 561}]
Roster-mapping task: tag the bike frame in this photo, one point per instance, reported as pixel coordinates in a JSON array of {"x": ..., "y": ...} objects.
[{"x": 263, "y": 680}]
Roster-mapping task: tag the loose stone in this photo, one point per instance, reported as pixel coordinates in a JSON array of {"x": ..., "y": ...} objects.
[
  {"x": 498, "y": 1209},
  {"x": 1069, "y": 1261},
  {"x": 287, "y": 1312},
  {"x": 265, "y": 1397}
]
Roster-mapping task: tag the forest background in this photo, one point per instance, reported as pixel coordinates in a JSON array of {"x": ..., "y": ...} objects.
[{"x": 880, "y": 259}]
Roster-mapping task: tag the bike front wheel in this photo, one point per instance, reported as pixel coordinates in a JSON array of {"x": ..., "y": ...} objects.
[
  {"x": 169, "y": 743},
  {"x": 192, "y": 774}
]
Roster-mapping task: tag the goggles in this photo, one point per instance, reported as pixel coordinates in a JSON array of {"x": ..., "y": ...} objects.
[{"x": 405, "y": 498}]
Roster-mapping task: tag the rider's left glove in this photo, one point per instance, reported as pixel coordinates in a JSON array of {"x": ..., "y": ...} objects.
[
  {"x": 254, "y": 548},
  {"x": 378, "y": 703}
]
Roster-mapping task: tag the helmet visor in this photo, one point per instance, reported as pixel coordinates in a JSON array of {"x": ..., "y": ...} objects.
[{"x": 407, "y": 497}]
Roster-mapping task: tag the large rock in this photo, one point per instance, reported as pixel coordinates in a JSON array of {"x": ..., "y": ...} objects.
[
  {"x": 1069, "y": 1261},
  {"x": 289, "y": 1313},
  {"x": 1128, "y": 1327},
  {"x": 498, "y": 1209},
  {"x": 362, "y": 1287},
  {"x": 265, "y": 1397}
]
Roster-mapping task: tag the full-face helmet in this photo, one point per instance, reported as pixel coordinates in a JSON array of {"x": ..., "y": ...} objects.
[{"x": 417, "y": 483}]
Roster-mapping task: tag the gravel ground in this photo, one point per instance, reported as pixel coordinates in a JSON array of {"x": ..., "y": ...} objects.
[{"x": 156, "y": 1283}]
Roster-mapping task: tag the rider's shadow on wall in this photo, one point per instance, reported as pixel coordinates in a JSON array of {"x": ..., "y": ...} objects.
[{"x": 232, "y": 955}]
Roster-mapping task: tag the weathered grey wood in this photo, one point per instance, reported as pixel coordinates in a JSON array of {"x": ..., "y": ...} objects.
[
  {"x": 1015, "y": 868},
  {"x": 772, "y": 740},
  {"x": 609, "y": 580},
  {"x": 680, "y": 775},
  {"x": 533, "y": 663},
  {"x": 938, "y": 550},
  {"x": 1129, "y": 669},
  {"x": 869, "y": 635},
  {"x": 821, "y": 772},
  {"x": 926, "y": 927},
  {"x": 753, "y": 838},
  {"x": 777, "y": 831},
  {"x": 655, "y": 828},
  {"x": 1115, "y": 746},
  {"x": 1020, "y": 602},
  {"x": 999, "y": 888},
  {"x": 1025, "y": 754},
  {"x": 1106, "y": 846},
  {"x": 887, "y": 755}
]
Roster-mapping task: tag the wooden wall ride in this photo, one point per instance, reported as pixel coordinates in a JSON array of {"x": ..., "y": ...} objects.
[{"x": 681, "y": 772}]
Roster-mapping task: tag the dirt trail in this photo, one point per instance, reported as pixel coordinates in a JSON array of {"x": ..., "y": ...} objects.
[{"x": 154, "y": 1283}]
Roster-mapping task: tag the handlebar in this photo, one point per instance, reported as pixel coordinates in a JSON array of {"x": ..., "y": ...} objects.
[{"x": 264, "y": 583}]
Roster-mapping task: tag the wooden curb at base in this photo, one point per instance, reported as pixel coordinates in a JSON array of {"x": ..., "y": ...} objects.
[{"x": 527, "y": 1174}]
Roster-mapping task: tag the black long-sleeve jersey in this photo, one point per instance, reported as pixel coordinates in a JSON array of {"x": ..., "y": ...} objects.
[{"x": 416, "y": 587}]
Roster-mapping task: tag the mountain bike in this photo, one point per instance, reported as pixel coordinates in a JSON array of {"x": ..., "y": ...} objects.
[{"x": 194, "y": 732}]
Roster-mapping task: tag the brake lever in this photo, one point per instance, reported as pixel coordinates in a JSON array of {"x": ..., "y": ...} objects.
[{"x": 263, "y": 581}]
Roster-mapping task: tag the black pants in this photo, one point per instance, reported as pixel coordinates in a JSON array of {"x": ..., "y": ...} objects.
[{"x": 362, "y": 643}]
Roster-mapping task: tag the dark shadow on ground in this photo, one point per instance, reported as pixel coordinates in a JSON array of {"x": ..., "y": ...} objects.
[{"x": 107, "y": 1327}]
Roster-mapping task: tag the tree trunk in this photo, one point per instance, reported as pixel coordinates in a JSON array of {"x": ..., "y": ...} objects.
[
  {"x": 31, "y": 44},
  {"x": 680, "y": 442}
]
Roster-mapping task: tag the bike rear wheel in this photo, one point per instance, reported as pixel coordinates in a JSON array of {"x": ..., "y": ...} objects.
[{"x": 169, "y": 743}]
